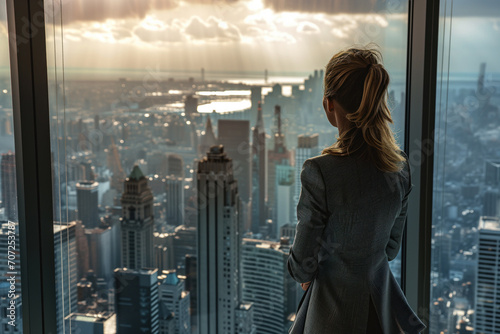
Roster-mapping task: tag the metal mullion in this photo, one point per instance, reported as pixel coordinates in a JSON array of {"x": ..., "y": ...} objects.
[
  {"x": 26, "y": 27},
  {"x": 419, "y": 144}
]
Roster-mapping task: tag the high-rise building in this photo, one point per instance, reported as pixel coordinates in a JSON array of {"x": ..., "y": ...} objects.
[
  {"x": 267, "y": 283},
  {"x": 278, "y": 155},
  {"x": 100, "y": 252},
  {"x": 87, "y": 202},
  {"x": 184, "y": 243},
  {"x": 307, "y": 147},
  {"x": 65, "y": 261},
  {"x": 285, "y": 182},
  {"x": 492, "y": 173},
  {"x": 487, "y": 313},
  {"x": 136, "y": 301},
  {"x": 174, "y": 188},
  {"x": 234, "y": 135},
  {"x": 491, "y": 203},
  {"x": 173, "y": 294},
  {"x": 137, "y": 222},
  {"x": 89, "y": 323},
  {"x": 259, "y": 174},
  {"x": 191, "y": 283},
  {"x": 115, "y": 165},
  {"x": 220, "y": 308},
  {"x": 255, "y": 97},
  {"x": 9, "y": 185}
]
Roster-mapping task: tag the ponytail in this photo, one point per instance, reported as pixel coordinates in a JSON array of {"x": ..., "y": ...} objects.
[{"x": 357, "y": 80}]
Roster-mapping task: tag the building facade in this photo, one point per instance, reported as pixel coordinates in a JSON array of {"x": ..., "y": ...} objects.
[
  {"x": 137, "y": 222},
  {"x": 218, "y": 254},
  {"x": 136, "y": 301}
]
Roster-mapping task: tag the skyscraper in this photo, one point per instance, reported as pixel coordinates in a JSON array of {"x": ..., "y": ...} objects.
[
  {"x": 487, "y": 313},
  {"x": 492, "y": 173},
  {"x": 259, "y": 173},
  {"x": 173, "y": 294},
  {"x": 174, "y": 188},
  {"x": 137, "y": 222},
  {"x": 65, "y": 260},
  {"x": 267, "y": 283},
  {"x": 220, "y": 307},
  {"x": 234, "y": 135},
  {"x": 136, "y": 301},
  {"x": 87, "y": 202},
  {"x": 9, "y": 185},
  {"x": 285, "y": 182},
  {"x": 277, "y": 155},
  {"x": 307, "y": 147}
]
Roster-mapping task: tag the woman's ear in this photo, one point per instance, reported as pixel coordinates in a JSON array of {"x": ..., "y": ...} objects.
[{"x": 328, "y": 105}]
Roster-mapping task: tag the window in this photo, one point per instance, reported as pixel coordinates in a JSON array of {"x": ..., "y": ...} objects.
[
  {"x": 466, "y": 210},
  {"x": 139, "y": 94}
]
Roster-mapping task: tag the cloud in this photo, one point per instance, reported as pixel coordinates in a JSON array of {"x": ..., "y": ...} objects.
[
  {"x": 161, "y": 33},
  {"x": 101, "y": 10},
  {"x": 324, "y": 6},
  {"x": 165, "y": 35},
  {"x": 308, "y": 28},
  {"x": 273, "y": 36},
  {"x": 212, "y": 29}
]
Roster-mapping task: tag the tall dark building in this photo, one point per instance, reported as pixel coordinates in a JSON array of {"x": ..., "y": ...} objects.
[
  {"x": 136, "y": 301},
  {"x": 137, "y": 222},
  {"x": 492, "y": 173},
  {"x": 259, "y": 174},
  {"x": 220, "y": 307},
  {"x": 278, "y": 155},
  {"x": 234, "y": 135},
  {"x": 256, "y": 97},
  {"x": 87, "y": 202},
  {"x": 9, "y": 186}
]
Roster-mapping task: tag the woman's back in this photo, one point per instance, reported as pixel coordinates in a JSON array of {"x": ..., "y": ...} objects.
[
  {"x": 351, "y": 218},
  {"x": 352, "y": 209}
]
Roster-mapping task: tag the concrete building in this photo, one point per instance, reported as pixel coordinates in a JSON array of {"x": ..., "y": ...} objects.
[
  {"x": 136, "y": 301},
  {"x": 220, "y": 306},
  {"x": 487, "y": 313},
  {"x": 137, "y": 222}
]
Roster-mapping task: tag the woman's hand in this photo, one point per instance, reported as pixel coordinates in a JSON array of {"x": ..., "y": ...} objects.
[{"x": 305, "y": 285}]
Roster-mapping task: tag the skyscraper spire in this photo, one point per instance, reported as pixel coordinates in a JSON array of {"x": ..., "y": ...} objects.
[
  {"x": 259, "y": 126},
  {"x": 279, "y": 138},
  {"x": 208, "y": 139}
]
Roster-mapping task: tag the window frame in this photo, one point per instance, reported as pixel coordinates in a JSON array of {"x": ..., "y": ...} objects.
[{"x": 28, "y": 62}]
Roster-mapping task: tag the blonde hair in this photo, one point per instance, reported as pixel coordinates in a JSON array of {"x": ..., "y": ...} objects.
[{"x": 358, "y": 81}]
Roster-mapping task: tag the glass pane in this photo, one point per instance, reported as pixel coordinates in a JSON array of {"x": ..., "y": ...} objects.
[
  {"x": 11, "y": 318},
  {"x": 140, "y": 92},
  {"x": 466, "y": 213}
]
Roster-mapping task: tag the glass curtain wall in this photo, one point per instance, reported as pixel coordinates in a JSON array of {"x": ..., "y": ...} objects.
[
  {"x": 465, "y": 281},
  {"x": 10, "y": 266},
  {"x": 140, "y": 93}
]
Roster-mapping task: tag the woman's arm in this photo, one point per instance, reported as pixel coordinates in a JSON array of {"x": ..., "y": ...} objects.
[
  {"x": 312, "y": 217},
  {"x": 394, "y": 244}
]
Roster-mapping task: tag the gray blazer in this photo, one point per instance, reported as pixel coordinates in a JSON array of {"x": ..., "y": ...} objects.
[{"x": 350, "y": 223}]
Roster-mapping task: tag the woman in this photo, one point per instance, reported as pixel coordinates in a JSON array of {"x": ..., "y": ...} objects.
[{"x": 352, "y": 209}]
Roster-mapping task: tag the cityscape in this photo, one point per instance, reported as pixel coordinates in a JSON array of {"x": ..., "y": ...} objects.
[
  {"x": 175, "y": 191},
  {"x": 189, "y": 215}
]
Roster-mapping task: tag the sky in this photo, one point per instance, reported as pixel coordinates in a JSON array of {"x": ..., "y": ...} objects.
[{"x": 248, "y": 35}]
